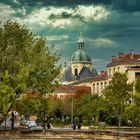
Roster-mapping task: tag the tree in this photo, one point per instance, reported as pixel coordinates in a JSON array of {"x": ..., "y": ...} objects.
[
  {"x": 55, "y": 107},
  {"x": 137, "y": 109},
  {"x": 5, "y": 89},
  {"x": 30, "y": 104},
  {"x": 117, "y": 94},
  {"x": 89, "y": 107},
  {"x": 25, "y": 64},
  {"x": 132, "y": 111},
  {"x": 137, "y": 85}
]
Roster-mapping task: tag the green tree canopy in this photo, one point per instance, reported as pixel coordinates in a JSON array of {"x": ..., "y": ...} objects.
[
  {"x": 133, "y": 110},
  {"x": 117, "y": 94},
  {"x": 137, "y": 85},
  {"x": 25, "y": 63}
]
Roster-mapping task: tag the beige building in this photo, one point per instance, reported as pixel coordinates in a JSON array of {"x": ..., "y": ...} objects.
[
  {"x": 80, "y": 71},
  {"x": 123, "y": 63}
]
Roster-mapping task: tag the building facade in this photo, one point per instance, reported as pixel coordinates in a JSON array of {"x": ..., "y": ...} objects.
[
  {"x": 80, "y": 71},
  {"x": 124, "y": 63}
]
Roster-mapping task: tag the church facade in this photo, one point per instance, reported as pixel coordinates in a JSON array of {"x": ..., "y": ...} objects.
[{"x": 80, "y": 66}]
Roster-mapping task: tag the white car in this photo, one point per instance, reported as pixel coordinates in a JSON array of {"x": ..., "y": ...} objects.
[{"x": 31, "y": 124}]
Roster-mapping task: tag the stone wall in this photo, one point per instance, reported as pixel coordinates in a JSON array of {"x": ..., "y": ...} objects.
[{"x": 65, "y": 135}]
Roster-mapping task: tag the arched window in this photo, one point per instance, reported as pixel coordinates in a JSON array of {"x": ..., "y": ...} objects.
[
  {"x": 93, "y": 87},
  {"x": 97, "y": 88},
  {"x": 101, "y": 86},
  {"x": 76, "y": 71}
]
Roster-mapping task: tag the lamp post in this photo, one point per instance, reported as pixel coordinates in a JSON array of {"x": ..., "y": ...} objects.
[
  {"x": 72, "y": 109},
  {"x": 119, "y": 119}
]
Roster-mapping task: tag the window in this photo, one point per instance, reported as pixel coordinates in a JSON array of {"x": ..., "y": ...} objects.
[
  {"x": 114, "y": 70},
  {"x": 118, "y": 69},
  {"x": 61, "y": 96},
  {"x": 137, "y": 75},
  {"x": 76, "y": 71},
  {"x": 101, "y": 86},
  {"x": 97, "y": 89},
  {"x": 94, "y": 87}
]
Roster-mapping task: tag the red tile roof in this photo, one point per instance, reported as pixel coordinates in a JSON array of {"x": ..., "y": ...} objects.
[
  {"x": 70, "y": 88},
  {"x": 127, "y": 57},
  {"x": 102, "y": 74}
]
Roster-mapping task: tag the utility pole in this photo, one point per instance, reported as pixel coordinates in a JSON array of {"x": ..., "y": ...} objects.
[
  {"x": 119, "y": 119},
  {"x": 72, "y": 109}
]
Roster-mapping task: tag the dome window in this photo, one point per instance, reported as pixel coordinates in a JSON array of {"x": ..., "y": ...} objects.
[{"x": 76, "y": 72}]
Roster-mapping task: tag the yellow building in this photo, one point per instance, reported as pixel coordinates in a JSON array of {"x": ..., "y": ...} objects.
[{"x": 124, "y": 63}]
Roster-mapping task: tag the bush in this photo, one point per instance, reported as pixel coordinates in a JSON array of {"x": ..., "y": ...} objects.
[
  {"x": 76, "y": 120},
  {"x": 67, "y": 120},
  {"x": 57, "y": 120},
  {"x": 85, "y": 122}
]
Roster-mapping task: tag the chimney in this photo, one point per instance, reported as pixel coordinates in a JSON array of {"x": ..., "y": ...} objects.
[
  {"x": 113, "y": 58},
  {"x": 120, "y": 55},
  {"x": 102, "y": 72},
  {"x": 131, "y": 53}
]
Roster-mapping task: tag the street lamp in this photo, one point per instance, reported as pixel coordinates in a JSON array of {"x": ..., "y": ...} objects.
[
  {"x": 119, "y": 119},
  {"x": 72, "y": 109}
]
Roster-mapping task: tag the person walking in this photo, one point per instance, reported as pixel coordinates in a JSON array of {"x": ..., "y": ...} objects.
[
  {"x": 12, "y": 120},
  {"x": 74, "y": 126},
  {"x": 79, "y": 126}
]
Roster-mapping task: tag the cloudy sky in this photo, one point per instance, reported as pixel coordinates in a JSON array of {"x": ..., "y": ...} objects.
[{"x": 108, "y": 26}]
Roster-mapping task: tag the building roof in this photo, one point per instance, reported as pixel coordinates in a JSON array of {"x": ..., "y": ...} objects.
[
  {"x": 102, "y": 74},
  {"x": 72, "y": 89},
  {"x": 130, "y": 58},
  {"x": 125, "y": 59},
  {"x": 80, "y": 55},
  {"x": 67, "y": 75},
  {"x": 85, "y": 73}
]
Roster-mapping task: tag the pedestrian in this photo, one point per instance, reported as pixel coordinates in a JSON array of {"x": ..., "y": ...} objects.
[
  {"x": 74, "y": 126},
  {"x": 12, "y": 120},
  {"x": 48, "y": 125},
  {"x": 79, "y": 126}
]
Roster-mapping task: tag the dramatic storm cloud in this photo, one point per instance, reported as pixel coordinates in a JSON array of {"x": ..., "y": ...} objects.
[{"x": 108, "y": 26}]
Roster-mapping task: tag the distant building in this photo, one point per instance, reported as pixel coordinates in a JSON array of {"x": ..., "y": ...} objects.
[
  {"x": 123, "y": 63},
  {"x": 80, "y": 66},
  {"x": 80, "y": 71},
  {"x": 67, "y": 91}
]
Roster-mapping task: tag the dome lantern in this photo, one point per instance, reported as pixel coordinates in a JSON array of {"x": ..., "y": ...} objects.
[{"x": 80, "y": 41}]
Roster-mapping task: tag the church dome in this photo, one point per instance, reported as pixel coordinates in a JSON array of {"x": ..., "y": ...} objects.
[{"x": 80, "y": 55}]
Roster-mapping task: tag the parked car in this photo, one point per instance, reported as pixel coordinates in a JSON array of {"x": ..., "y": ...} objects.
[{"x": 31, "y": 124}]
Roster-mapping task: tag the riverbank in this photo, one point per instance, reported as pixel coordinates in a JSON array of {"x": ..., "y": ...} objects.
[{"x": 67, "y": 134}]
